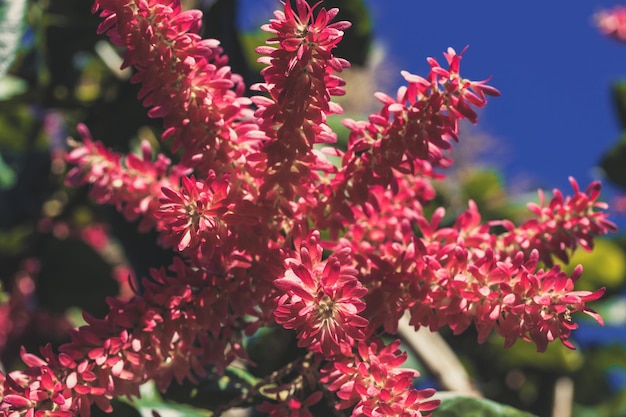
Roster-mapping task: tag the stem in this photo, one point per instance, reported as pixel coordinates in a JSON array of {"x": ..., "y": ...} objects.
[
  {"x": 563, "y": 397},
  {"x": 271, "y": 378},
  {"x": 438, "y": 357}
]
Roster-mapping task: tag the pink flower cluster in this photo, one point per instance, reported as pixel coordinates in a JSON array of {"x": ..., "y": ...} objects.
[
  {"x": 322, "y": 299},
  {"x": 132, "y": 183},
  {"x": 372, "y": 382},
  {"x": 269, "y": 232}
]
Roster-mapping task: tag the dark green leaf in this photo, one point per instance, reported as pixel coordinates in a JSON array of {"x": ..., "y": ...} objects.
[
  {"x": 355, "y": 46},
  {"x": 151, "y": 401},
  {"x": 8, "y": 178},
  {"x": 615, "y": 407},
  {"x": 12, "y": 21},
  {"x": 614, "y": 163},
  {"x": 453, "y": 405},
  {"x": 122, "y": 409},
  {"x": 73, "y": 274},
  {"x": 619, "y": 98},
  {"x": 212, "y": 391}
]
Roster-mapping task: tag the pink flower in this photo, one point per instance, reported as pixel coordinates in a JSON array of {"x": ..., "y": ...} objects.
[
  {"x": 540, "y": 307},
  {"x": 300, "y": 81},
  {"x": 193, "y": 214},
  {"x": 514, "y": 297},
  {"x": 299, "y": 73},
  {"x": 258, "y": 182},
  {"x": 131, "y": 183},
  {"x": 561, "y": 224},
  {"x": 410, "y": 135},
  {"x": 612, "y": 22},
  {"x": 372, "y": 382},
  {"x": 185, "y": 79},
  {"x": 321, "y": 300}
]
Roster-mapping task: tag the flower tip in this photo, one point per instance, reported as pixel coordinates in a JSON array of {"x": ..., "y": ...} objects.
[
  {"x": 83, "y": 131},
  {"x": 490, "y": 91},
  {"x": 578, "y": 271},
  {"x": 573, "y": 183}
]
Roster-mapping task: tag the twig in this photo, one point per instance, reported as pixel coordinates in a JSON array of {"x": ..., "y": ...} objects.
[
  {"x": 438, "y": 358},
  {"x": 254, "y": 390},
  {"x": 563, "y": 397}
]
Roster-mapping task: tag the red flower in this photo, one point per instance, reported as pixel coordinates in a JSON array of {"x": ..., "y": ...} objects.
[
  {"x": 372, "y": 382},
  {"x": 300, "y": 81},
  {"x": 612, "y": 22},
  {"x": 299, "y": 73},
  {"x": 257, "y": 177},
  {"x": 539, "y": 307},
  {"x": 185, "y": 79},
  {"x": 411, "y": 134},
  {"x": 561, "y": 224},
  {"x": 322, "y": 300},
  {"x": 192, "y": 215},
  {"x": 130, "y": 183}
]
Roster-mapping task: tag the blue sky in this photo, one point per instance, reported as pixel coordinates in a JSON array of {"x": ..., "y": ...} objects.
[{"x": 555, "y": 117}]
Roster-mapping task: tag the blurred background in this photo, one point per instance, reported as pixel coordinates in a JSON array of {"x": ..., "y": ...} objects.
[{"x": 562, "y": 113}]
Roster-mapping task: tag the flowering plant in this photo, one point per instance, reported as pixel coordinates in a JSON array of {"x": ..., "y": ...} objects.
[{"x": 272, "y": 225}]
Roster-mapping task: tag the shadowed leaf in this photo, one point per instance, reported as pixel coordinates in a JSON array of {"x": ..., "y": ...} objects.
[{"x": 453, "y": 405}]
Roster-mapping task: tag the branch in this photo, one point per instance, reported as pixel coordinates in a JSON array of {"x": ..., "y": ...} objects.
[{"x": 438, "y": 358}]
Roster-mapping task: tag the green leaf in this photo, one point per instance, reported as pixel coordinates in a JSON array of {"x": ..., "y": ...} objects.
[
  {"x": 605, "y": 266},
  {"x": 249, "y": 42},
  {"x": 151, "y": 400},
  {"x": 213, "y": 390},
  {"x": 610, "y": 356},
  {"x": 242, "y": 375},
  {"x": 614, "y": 407},
  {"x": 483, "y": 185},
  {"x": 11, "y": 86},
  {"x": 454, "y": 405},
  {"x": 8, "y": 177},
  {"x": 557, "y": 357},
  {"x": 12, "y": 22}
]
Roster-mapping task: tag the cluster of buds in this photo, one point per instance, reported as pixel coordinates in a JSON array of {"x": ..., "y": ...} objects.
[{"x": 268, "y": 232}]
